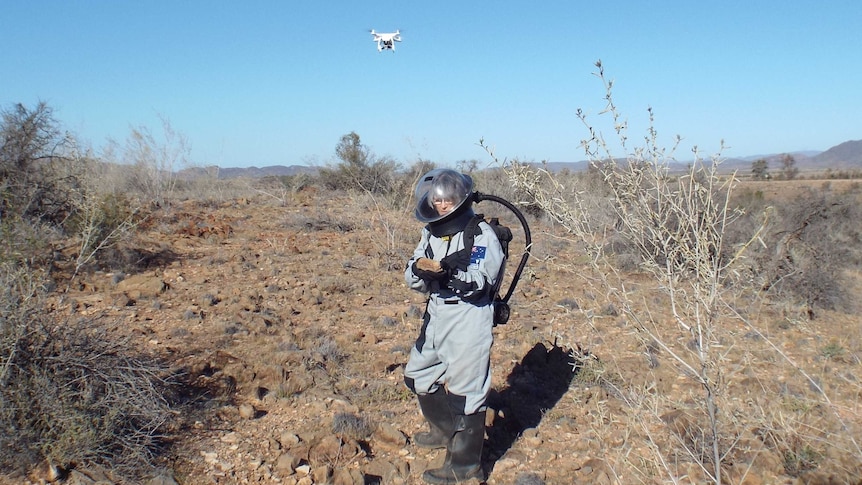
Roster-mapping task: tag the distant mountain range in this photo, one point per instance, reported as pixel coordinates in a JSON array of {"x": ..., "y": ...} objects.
[
  {"x": 845, "y": 156},
  {"x": 247, "y": 172}
]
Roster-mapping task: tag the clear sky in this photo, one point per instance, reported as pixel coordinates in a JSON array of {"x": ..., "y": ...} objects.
[{"x": 260, "y": 83}]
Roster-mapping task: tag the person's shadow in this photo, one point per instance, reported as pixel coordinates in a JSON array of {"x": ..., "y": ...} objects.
[{"x": 534, "y": 386}]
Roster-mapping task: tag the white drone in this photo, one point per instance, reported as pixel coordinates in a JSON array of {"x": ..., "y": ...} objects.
[{"x": 386, "y": 41}]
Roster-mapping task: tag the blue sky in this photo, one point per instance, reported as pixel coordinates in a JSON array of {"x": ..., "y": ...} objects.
[{"x": 262, "y": 83}]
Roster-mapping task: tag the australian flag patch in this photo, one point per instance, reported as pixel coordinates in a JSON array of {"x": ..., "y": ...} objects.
[{"x": 477, "y": 254}]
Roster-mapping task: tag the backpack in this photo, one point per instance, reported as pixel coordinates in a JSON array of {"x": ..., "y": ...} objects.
[{"x": 504, "y": 235}]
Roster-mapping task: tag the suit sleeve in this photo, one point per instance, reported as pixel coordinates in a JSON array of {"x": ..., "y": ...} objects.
[{"x": 414, "y": 282}]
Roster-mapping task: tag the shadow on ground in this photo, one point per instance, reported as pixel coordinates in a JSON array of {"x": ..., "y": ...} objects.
[{"x": 534, "y": 386}]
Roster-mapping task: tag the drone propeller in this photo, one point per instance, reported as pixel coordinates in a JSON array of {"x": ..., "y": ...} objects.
[{"x": 393, "y": 32}]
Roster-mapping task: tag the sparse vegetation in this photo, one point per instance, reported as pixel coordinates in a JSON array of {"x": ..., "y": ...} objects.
[
  {"x": 69, "y": 395},
  {"x": 701, "y": 326},
  {"x": 678, "y": 228},
  {"x": 153, "y": 162}
]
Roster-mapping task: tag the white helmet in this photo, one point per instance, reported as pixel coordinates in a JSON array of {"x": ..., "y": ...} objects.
[{"x": 441, "y": 183}]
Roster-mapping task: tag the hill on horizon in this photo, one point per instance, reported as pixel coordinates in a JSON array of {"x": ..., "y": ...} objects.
[{"x": 844, "y": 156}]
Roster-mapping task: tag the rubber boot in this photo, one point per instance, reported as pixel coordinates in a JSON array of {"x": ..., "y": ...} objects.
[
  {"x": 464, "y": 453},
  {"x": 435, "y": 408}
]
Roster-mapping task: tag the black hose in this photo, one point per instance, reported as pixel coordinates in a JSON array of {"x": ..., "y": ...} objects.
[{"x": 479, "y": 197}]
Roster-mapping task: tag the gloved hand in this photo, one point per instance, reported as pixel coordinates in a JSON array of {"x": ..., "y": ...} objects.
[
  {"x": 457, "y": 260},
  {"x": 429, "y": 270}
]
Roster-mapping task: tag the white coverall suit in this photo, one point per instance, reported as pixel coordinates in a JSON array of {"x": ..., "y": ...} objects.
[{"x": 454, "y": 345}]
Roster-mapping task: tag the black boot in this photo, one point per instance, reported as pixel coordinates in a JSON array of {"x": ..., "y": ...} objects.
[
  {"x": 435, "y": 408},
  {"x": 464, "y": 453}
]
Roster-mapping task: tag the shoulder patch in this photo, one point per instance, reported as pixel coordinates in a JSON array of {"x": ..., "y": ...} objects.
[{"x": 477, "y": 254}]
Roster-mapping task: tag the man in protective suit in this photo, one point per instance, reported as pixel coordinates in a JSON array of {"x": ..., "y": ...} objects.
[{"x": 449, "y": 366}]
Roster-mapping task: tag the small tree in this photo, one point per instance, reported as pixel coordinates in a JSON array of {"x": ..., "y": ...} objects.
[
  {"x": 351, "y": 151},
  {"x": 788, "y": 167},
  {"x": 467, "y": 166},
  {"x": 359, "y": 169},
  {"x": 760, "y": 169},
  {"x": 677, "y": 227},
  {"x": 34, "y": 181}
]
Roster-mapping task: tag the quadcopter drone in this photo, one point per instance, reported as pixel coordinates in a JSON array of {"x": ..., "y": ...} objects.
[{"x": 386, "y": 41}]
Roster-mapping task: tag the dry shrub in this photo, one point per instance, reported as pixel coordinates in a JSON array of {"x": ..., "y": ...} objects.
[
  {"x": 349, "y": 425},
  {"x": 284, "y": 190},
  {"x": 37, "y": 182},
  {"x": 313, "y": 221},
  {"x": 99, "y": 222},
  {"x": 813, "y": 239},
  {"x": 495, "y": 181},
  {"x": 54, "y": 197},
  {"x": 798, "y": 453},
  {"x": 26, "y": 240},
  {"x": 392, "y": 231},
  {"x": 150, "y": 162},
  {"x": 71, "y": 393},
  {"x": 683, "y": 233}
]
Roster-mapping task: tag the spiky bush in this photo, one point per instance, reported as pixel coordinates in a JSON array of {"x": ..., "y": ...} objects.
[
  {"x": 70, "y": 393},
  {"x": 683, "y": 229}
]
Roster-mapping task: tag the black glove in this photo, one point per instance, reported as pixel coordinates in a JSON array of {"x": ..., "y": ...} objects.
[
  {"x": 457, "y": 260},
  {"x": 428, "y": 275}
]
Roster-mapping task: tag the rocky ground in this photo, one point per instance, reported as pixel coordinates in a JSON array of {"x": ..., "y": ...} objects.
[{"x": 292, "y": 324}]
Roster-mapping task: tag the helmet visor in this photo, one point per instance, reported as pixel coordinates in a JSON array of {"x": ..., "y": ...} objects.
[{"x": 440, "y": 193}]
